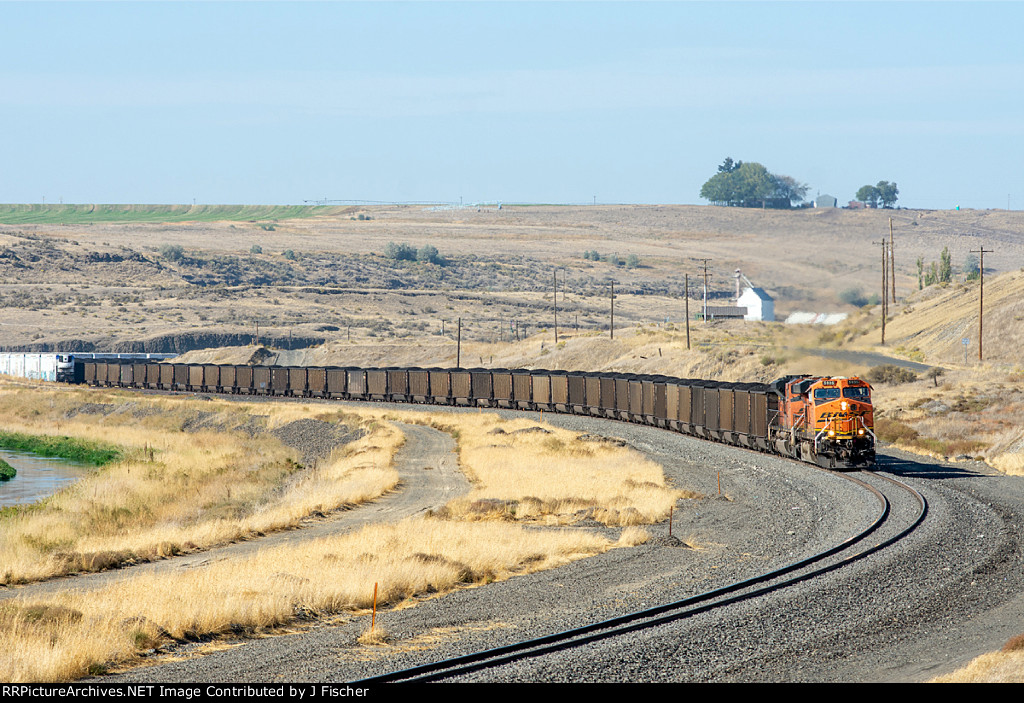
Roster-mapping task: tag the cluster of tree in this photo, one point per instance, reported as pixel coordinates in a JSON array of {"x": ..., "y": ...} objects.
[
  {"x": 883, "y": 194},
  {"x": 632, "y": 261},
  {"x": 942, "y": 271},
  {"x": 406, "y": 252},
  {"x": 740, "y": 184}
]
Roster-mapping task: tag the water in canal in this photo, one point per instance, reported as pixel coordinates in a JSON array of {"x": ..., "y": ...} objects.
[{"x": 38, "y": 477}]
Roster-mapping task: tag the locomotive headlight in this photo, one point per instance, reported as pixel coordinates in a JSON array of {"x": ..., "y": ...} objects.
[
  {"x": 860, "y": 431},
  {"x": 844, "y": 405},
  {"x": 831, "y": 433}
]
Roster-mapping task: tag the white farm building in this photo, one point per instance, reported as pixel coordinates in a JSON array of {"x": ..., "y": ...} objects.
[{"x": 759, "y": 305}]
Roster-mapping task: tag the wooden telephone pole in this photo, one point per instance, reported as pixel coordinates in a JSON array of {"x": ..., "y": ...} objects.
[
  {"x": 892, "y": 261},
  {"x": 981, "y": 295},
  {"x": 612, "y": 327},
  {"x": 687, "y": 298},
  {"x": 885, "y": 287},
  {"x": 705, "y": 289},
  {"x": 554, "y": 301}
]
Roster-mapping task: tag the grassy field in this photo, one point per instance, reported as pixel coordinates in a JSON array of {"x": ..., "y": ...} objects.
[
  {"x": 95, "y": 453},
  {"x": 189, "y": 475},
  {"x": 472, "y": 541},
  {"x": 11, "y": 214}
]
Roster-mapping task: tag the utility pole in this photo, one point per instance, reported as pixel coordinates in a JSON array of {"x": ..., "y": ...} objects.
[
  {"x": 885, "y": 286},
  {"x": 705, "y": 289},
  {"x": 981, "y": 294},
  {"x": 458, "y": 347},
  {"x": 554, "y": 302},
  {"x": 612, "y": 298},
  {"x": 892, "y": 261},
  {"x": 687, "y": 285}
]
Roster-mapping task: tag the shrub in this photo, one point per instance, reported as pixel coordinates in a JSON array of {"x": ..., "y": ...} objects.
[
  {"x": 890, "y": 373},
  {"x": 256, "y": 249},
  {"x": 428, "y": 254},
  {"x": 1014, "y": 644},
  {"x": 172, "y": 252},
  {"x": 632, "y": 261},
  {"x": 400, "y": 252},
  {"x": 7, "y": 471},
  {"x": 289, "y": 254},
  {"x": 895, "y": 431},
  {"x": 854, "y": 297}
]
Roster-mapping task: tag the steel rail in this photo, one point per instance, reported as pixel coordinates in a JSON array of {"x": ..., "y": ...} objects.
[{"x": 668, "y": 612}]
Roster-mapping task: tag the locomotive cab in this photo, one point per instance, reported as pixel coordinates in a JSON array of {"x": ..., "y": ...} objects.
[{"x": 829, "y": 421}]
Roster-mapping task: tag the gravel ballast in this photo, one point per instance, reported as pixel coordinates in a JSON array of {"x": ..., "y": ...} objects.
[{"x": 922, "y": 607}]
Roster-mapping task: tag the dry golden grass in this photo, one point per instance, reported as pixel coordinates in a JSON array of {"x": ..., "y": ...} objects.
[
  {"x": 1006, "y": 666},
  {"x": 525, "y": 470},
  {"x": 375, "y": 636},
  {"x": 80, "y": 633},
  {"x": 935, "y": 321},
  {"x": 202, "y": 487},
  {"x": 520, "y": 469},
  {"x": 633, "y": 535},
  {"x": 973, "y": 412}
]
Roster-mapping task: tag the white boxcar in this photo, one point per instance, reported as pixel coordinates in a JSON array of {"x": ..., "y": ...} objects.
[{"x": 28, "y": 365}]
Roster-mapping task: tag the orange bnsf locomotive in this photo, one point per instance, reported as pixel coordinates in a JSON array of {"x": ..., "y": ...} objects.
[
  {"x": 822, "y": 420},
  {"x": 828, "y": 421}
]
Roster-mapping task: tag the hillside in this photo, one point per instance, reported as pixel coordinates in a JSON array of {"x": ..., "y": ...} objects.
[
  {"x": 150, "y": 272},
  {"x": 931, "y": 325}
]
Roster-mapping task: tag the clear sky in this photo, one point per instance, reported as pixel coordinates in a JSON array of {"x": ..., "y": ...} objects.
[{"x": 277, "y": 103}]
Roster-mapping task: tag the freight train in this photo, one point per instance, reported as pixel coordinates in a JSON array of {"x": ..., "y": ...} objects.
[
  {"x": 823, "y": 420},
  {"x": 49, "y": 366}
]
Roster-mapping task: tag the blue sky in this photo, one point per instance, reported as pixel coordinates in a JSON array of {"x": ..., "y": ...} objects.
[{"x": 631, "y": 102}]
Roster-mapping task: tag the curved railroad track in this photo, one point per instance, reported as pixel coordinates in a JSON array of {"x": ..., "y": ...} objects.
[
  {"x": 774, "y": 580},
  {"x": 900, "y": 601}
]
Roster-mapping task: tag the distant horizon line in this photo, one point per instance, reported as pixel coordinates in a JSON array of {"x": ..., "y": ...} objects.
[{"x": 466, "y": 205}]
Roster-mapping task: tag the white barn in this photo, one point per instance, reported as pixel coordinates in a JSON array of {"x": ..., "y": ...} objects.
[
  {"x": 759, "y": 305},
  {"x": 825, "y": 201}
]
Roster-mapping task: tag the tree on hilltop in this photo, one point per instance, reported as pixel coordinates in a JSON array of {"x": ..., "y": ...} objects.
[
  {"x": 868, "y": 195},
  {"x": 887, "y": 193},
  {"x": 883, "y": 194},
  {"x": 750, "y": 184}
]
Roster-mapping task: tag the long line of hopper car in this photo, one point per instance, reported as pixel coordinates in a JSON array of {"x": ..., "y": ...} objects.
[{"x": 742, "y": 414}]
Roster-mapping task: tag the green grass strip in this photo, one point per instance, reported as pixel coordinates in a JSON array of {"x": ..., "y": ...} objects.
[
  {"x": 79, "y": 450},
  {"x": 13, "y": 214},
  {"x": 7, "y": 471}
]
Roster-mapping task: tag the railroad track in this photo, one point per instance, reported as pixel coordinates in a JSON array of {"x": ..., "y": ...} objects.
[{"x": 835, "y": 557}]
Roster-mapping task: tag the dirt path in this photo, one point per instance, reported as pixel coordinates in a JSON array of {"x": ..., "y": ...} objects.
[
  {"x": 429, "y": 477},
  {"x": 866, "y": 358}
]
